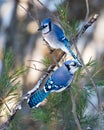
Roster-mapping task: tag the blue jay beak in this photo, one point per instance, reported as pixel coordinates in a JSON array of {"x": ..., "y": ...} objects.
[{"x": 40, "y": 28}]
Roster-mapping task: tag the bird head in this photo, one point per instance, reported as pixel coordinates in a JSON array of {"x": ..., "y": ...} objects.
[
  {"x": 72, "y": 65},
  {"x": 45, "y": 26}
]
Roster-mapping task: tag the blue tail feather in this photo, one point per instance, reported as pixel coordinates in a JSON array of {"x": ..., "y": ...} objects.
[
  {"x": 73, "y": 55},
  {"x": 68, "y": 46},
  {"x": 37, "y": 98}
]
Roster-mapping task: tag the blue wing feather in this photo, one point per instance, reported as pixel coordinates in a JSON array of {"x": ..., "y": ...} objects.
[
  {"x": 62, "y": 76},
  {"x": 62, "y": 38},
  {"x": 60, "y": 79},
  {"x": 58, "y": 32}
]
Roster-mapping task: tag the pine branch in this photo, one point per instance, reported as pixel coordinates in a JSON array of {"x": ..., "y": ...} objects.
[
  {"x": 74, "y": 111},
  {"x": 28, "y": 94}
]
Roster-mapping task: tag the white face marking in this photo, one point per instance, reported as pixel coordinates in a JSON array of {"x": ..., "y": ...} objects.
[
  {"x": 73, "y": 69},
  {"x": 72, "y": 66},
  {"x": 46, "y": 29}
]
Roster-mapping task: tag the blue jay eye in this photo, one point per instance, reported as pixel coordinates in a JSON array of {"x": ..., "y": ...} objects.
[
  {"x": 44, "y": 26},
  {"x": 74, "y": 64}
]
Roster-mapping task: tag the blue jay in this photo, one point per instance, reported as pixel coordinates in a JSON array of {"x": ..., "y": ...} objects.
[
  {"x": 55, "y": 37},
  {"x": 57, "y": 82}
]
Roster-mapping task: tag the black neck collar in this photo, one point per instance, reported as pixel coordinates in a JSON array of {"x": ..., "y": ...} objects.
[{"x": 68, "y": 67}]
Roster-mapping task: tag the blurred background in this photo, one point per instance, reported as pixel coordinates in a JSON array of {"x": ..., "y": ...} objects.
[{"x": 18, "y": 31}]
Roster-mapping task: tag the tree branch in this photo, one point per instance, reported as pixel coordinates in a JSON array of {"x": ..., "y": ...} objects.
[
  {"x": 74, "y": 111},
  {"x": 87, "y": 10},
  {"x": 28, "y": 94},
  {"x": 85, "y": 27}
]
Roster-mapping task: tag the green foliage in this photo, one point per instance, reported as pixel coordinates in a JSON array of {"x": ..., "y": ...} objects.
[
  {"x": 97, "y": 73},
  {"x": 10, "y": 86},
  {"x": 89, "y": 121},
  {"x": 40, "y": 114},
  {"x": 8, "y": 80},
  {"x": 91, "y": 63},
  {"x": 57, "y": 112},
  {"x": 14, "y": 125},
  {"x": 8, "y": 60},
  {"x": 71, "y": 29}
]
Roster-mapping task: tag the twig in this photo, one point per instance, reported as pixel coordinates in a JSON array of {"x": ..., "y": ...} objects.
[
  {"x": 51, "y": 14},
  {"x": 10, "y": 118},
  {"x": 74, "y": 40},
  {"x": 18, "y": 107},
  {"x": 41, "y": 3},
  {"x": 74, "y": 111},
  {"x": 93, "y": 105},
  {"x": 98, "y": 71},
  {"x": 35, "y": 68},
  {"x": 85, "y": 27},
  {"x": 86, "y": 69},
  {"x": 36, "y": 12},
  {"x": 87, "y": 10},
  {"x": 93, "y": 19},
  {"x": 27, "y": 12},
  {"x": 28, "y": 94},
  {"x": 7, "y": 107},
  {"x": 37, "y": 61},
  {"x": 45, "y": 8}
]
